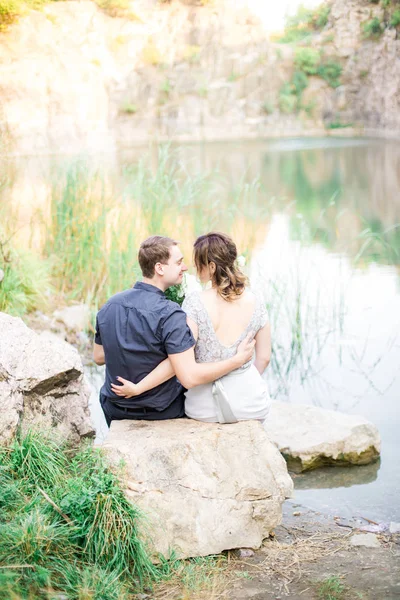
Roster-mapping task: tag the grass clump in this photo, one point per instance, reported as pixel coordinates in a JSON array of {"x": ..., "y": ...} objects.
[
  {"x": 373, "y": 28},
  {"x": 67, "y": 529},
  {"x": 66, "y": 524},
  {"x": 331, "y": 589}
]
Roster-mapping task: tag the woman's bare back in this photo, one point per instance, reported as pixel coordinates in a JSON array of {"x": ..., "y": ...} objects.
[{"x": 229, "y": 319}]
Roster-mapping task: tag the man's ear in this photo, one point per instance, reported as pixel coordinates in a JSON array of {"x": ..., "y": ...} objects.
[{"x": 159, "y": 268}]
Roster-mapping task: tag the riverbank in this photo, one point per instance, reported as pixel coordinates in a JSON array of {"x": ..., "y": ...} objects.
[{"x": 312, "y": 557}]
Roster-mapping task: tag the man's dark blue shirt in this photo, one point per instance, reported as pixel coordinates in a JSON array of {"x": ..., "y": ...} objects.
[{"x": 138, "y": 328}]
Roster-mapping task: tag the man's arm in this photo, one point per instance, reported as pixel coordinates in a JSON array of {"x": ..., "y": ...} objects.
[
  {"x": 98, "y": 354},
  {"x": 188, "y": 371},
  {"x": 191, "y": 373}
]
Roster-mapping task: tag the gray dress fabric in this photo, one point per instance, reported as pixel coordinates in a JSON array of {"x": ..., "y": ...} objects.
[{"x": 240, "y": 395}]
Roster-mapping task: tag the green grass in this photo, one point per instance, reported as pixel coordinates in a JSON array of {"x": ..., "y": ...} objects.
[
  {"x": 66, "y": 528},
  {"x": 373, "y": 28},
  {"x": 331, "y": 589},
  {"x": 91, "y": 541},
  {"x": 26, "y": 279}
]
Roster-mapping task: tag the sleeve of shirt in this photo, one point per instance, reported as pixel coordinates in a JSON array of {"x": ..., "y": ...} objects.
[
  {"x": 176, "y": 334},
  {"x": 97, "y": 336}
]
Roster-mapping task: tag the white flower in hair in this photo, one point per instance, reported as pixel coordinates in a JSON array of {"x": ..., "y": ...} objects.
[
  {"x": 191, "y": 283},
  {"x": 241, "y": 261}
]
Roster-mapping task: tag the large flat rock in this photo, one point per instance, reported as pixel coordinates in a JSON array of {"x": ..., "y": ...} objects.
[
  {"x": 41, "y": 383},
  {"x": 204, "y": 487},
  {"x": 310, "y": 437}
]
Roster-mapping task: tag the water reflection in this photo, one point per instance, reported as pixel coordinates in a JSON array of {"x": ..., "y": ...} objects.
[
  {"x": 335, "y": 477},
  {"x": 320, "y": 222}
]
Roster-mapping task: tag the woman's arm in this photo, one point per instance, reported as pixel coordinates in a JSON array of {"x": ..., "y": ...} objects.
[
  {"x": 128, "y": 389},
  {"x": 160, "y": 374},
  {"x": 263, "y": 348}
]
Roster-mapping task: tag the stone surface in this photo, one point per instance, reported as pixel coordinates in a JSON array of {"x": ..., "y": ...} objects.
[
  {"x": 311, "y": 437},
  {"x": 204, "y": 487},
  {"x": 41, "y": 383},
  {"x": 75, "y": 318},
  {"x": 394, "y": 527},
  {"x": 366, "y": 540}
]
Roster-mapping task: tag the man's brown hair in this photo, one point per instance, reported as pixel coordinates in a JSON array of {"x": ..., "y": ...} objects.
[{"x": 155, "y": 249}]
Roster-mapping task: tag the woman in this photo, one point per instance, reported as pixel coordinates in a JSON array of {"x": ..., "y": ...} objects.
[{"x": 220, "y": 318}]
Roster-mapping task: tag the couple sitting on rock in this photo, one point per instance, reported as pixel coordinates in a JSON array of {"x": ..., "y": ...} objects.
[{"x": 165, "y": 362}]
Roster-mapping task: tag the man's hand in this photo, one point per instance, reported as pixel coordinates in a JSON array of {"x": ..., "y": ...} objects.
[
  {"x": 245, "y": 350},
  {"x": 127, "y": 389}
]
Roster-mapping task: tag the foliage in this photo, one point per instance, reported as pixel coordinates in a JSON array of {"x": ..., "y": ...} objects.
[
  {"x": 373, "y": 28},
  {"x": 26, "y": 281},
  {"x": 301, "y": 25},
  {"x": 299, "y": 82},
  {"x": 176, "y": 294},
  {"x": 291, "y": 92},
  {"x": 337, "y": 125},
  {"x": 307, "y": 60},
  {"x": 76, "y": 536},
  {"x": 395, "y": 18},
  {"x": 129, "y": 108},
  {"x": 331, "y": 72},
  {"x": 267, "y": 107},
  {"x": 90, "y": 541},
  {"x": 287, "y": 100}
]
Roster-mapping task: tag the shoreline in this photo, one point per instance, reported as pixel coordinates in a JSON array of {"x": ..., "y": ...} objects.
[{"x": 361, "y": 132}]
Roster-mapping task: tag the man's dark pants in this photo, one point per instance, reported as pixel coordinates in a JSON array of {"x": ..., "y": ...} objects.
[{"x": 112, "y": 412}]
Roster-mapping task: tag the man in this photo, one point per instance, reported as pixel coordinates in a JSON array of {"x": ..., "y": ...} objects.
[{"x": 139, "y": 328}]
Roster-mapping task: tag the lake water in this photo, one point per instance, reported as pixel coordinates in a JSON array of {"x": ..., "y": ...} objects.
[{"x": 318, "y": 221}]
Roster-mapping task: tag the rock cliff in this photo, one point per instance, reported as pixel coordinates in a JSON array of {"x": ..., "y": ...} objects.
[{"x": 74, "y": 79}]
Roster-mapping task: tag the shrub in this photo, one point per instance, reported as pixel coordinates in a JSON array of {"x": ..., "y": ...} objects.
[
  {"x": 287, "y": 103},
  {"x": 302, "y": 24},
  {"x": 330, "y": 71},
  {"x": 129, "y": 108},
  {"x": 10, "y": 10},
  {"x": 320, "y": 16},
  {"x": 395, "y": 18},
  {"x": 299, "y": 82},
  {"x": 372, "y": 28},
  {"x": 267, "y": 107},
  {"x": 307, "y": 60}
]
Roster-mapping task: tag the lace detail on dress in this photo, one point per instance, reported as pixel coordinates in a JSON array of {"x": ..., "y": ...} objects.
[{"x": 208, "y": 348}]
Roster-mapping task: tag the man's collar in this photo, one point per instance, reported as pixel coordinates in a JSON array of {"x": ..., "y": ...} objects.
[{"x": 140, "y": 285}]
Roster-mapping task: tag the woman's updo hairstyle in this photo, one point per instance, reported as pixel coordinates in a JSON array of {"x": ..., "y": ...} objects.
[{"x": 220, "y": 249}]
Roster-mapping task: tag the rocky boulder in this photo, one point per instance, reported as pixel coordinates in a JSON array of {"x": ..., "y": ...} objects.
[
  {"x": 204, "y": 487},
  {"x": 310, "y": 437},
  {"x": 41, "y": 383}
]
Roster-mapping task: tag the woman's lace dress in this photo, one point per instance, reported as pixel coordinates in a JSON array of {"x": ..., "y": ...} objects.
[{"x": 240, "y": 395}]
